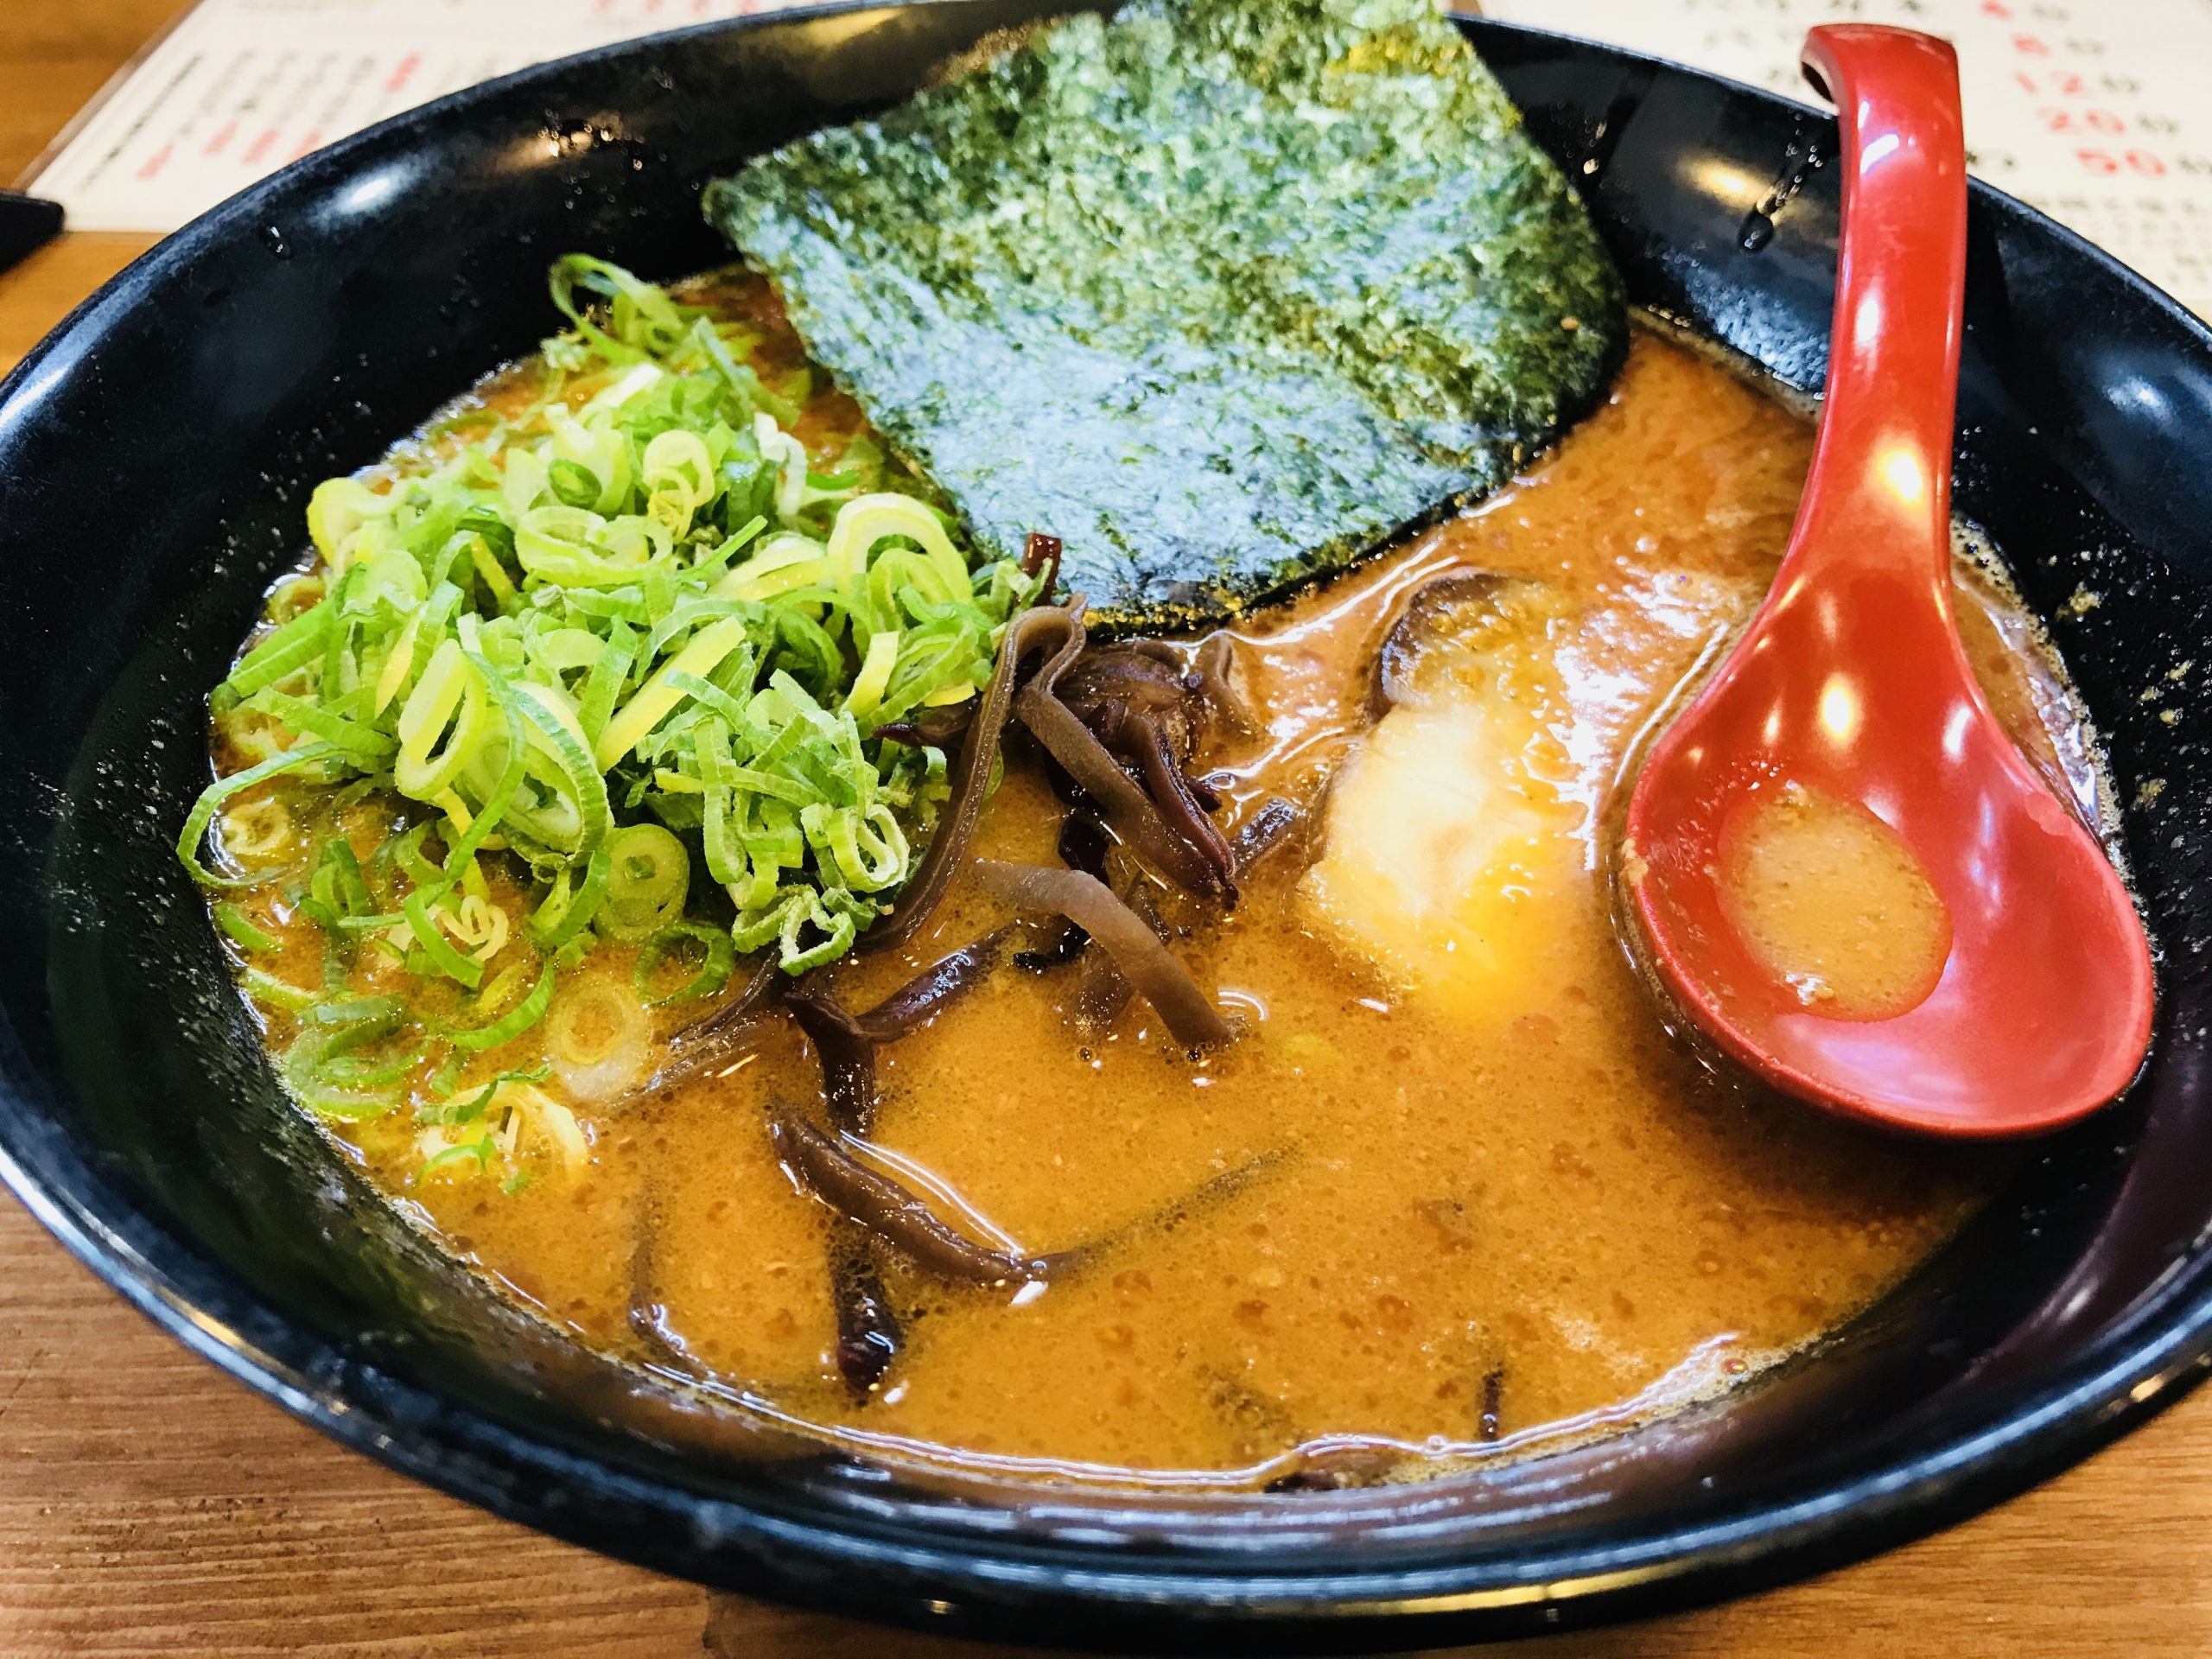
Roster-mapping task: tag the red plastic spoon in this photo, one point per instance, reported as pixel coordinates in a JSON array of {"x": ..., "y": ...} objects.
[{"x": 1852, "y": 681}]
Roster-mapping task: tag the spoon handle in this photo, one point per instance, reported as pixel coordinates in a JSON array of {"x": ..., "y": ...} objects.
[{"x": 1880, "y": 495}]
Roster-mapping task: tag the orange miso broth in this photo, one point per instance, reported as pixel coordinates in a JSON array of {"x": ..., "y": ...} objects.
[
  {"x": 1832, "y": 904},
  {"x": 1452, "y": 1193}
]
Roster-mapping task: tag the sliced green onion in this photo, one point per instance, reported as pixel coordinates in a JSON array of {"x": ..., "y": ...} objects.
[
  {"x": 718, "y": 960},
  {"x": 603, "y": 685},
  {"x": 595, "y": 1019},
  {"x": 644, "y": 319},
  {"x": 710, "y": 568},
  {"x": 240, "y": 927},
  {"x": 875, "y": 677},
  {"x": 726, "y": 854},
  {"x": 447, "y": 1078},
  {"x": 487, "y": 565},
  {"x": 422, "y": 922},
  {"x": 356, "y": 1106},
  {"x": 556, "y": 735},
  {"x": 449, "y": 704},
  {"x": 512, "y": 1024},
  {"x": 408, "y": 854},
  {"x": 496, "y": 801},
  {"x": 348, "y": 893},
  {"x": 657, "y": 699},
  {"x": 569, "y": 907},
  {"x": 580, "y": 609},
  {"x": 292, "y": 646},
  {"x": 323, "y": 1070},
  {"x": 649, "y": 876},
  {"x": 365, "y": 743},
  {"x": 267, "y": 987},
  {"x": 212, "y": 798},
  {"x": 469, "y": 1111},
  {"x": 573, "y": 484},
  {"x": 356, "y": 1020},
  {"x": 357, "y": 1072},
  {"x": 480, "y": 1149}
]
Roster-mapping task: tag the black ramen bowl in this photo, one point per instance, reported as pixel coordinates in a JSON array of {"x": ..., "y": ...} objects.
[{"x": 156, "y": 454}]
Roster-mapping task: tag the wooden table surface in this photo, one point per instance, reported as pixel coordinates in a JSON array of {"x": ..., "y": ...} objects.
[{"x": 148, "y": 1504}]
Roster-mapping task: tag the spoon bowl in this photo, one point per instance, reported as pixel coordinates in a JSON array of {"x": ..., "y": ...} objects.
[{"x": 1852, "y": 684}]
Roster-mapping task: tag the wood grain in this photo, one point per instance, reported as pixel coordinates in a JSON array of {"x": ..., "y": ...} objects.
[{"x": 148, "y": 1505}]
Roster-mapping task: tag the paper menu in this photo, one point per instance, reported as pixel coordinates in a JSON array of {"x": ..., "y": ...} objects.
[
  {"x": 239, "y": 87},
  {"x": 2089, "y": 109},
  {"x": 2093, "y": 111}
]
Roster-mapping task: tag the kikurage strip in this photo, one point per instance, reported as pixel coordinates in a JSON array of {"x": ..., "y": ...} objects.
[
  {"x": 1082, "y": 846},
  {"x": 888, "y": 1210},
  {"x": 821, "y": 1164},
  {"x": 847, "y": 1058},
  {"x": 869, "y": 1332},
  {"x": 1212, "y": 663},
  {"x": 721, "y": 1037},
  {"x": 1147, "y": 708},
  {"x": 1210, "y": 1194},
  {"x": 1103, "y": 990},
  {"x": 1041, "y": 627},
  {"x": 932, "y": 991},
  {"x": 1041, "y": 556},
  {"x": 1268, "y": 826},
  {"x": 1189, "y": 1014},
  {"x": 1487, "y": 1425},
  {"x": 1126, "y": 807}
]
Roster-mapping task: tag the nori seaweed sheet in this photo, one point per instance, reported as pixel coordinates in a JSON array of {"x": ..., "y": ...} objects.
[{"x": 1221, "y": 292}]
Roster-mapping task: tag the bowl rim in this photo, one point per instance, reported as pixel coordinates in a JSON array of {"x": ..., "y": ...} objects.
[{"x": 2145, "y": 1362}]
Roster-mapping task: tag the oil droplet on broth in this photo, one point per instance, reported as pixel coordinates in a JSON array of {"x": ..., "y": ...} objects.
[{"x": 1832, "y": 904}]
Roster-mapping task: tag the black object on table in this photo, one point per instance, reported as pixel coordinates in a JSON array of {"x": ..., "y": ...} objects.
[{"x": 27, "y": 224}]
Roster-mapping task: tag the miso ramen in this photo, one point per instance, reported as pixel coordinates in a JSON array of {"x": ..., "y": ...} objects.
[{"x": 789, "y": 951}]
